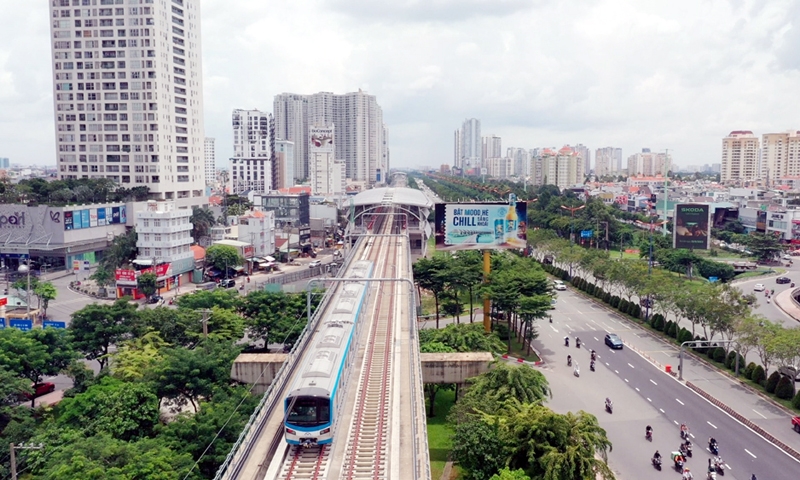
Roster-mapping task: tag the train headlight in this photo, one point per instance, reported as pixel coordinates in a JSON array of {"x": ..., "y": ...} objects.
[
  {"x": 325, "y": 431},
  {"x": 290, "y": 431}
]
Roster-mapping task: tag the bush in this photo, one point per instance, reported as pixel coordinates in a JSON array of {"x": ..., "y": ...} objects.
[
  {"x": 758, "y": 375},
  {"x": 615, "y": 301},
  {"x": 748, "y": 371},
  {"x": 729, "y": 359},
  {"x": 575, "y": 281},
  {"x": 741, "y": 363},
  {"x": 684, "y": 336},
  {"x": 796, "y": 401},
  {"x": 607, "y": 298},
  {"x": 703, "y": 348},
  {"x": 637, "y": 311},
  {"x": 590, "y": 289},
  {"x": 772, "y": 382},
  {"x": 671, "y": 329},
  {"x": 658, "y": 323},
  {"x": 785, "y": 388},
  {"x": 719, "y": 354},
  {"x": 501, "y": 329}
]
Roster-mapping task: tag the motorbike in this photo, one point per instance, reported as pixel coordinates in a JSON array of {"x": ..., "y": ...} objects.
[
  {"x": 684, "y": 450},
  {"x": 656, "y": 462},
  {"x": 714, "y": 448},
  {"x": 171, "y": 301},
  {"x": 649, "y": 435},
  {"x": 719, "y": 466},
  {"x": 792, "y": 285},
  {"x": 687, "y": 449},
  {"x": 569, "y": 361},
  {"x": 594, "y": 355},
  {"x": 609, "y": 406},
  {"x": 578, "y": 343},
  {"x": 566, "y": 341},
  {"x": 591, "y": 366},
  {"x": 712, "y": 476},
  {"x": 685, "y": 434}
]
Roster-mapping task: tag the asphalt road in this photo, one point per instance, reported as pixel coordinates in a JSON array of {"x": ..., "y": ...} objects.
[{"x": 642, "y": 395}]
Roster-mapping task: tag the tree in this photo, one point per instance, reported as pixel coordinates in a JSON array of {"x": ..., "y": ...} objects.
[
  {"x": 429, "y": 274},
  {"x": 764, "y": 246},
  {"x": 11, "y": 385},
  {"x": 188, "y": 375},
  {"x": 202, "y": 220},
  {"x": 123, "y": 410},
  {"x": 275, "y": 316},
  {"x": 34, "y": 354},
  {"x": 94, "y": 328},
  {"x": 45, "y": 291},
  {"x": 219, "y": 297},
  {"x": 463, "y": 338},
  {"x": 21, "y": 285},
  {"x": 223, "y": 257},
  {"x": 103, "y": 276},
  {"x": 147, "y": 283},
  {"x": 135, "y": 358},
  {"x": 182, "y": 327},
  {"x": 121, "y": 251},
  {"x": 508, "y": 474},
  {"x": 478, "y": 448}
]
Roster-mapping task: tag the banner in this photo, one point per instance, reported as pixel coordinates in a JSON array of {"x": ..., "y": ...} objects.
[
  {"x": 101, "y": 217},
  {"x": 481, "y": 226},
  {"x": 692, "y": 226}
]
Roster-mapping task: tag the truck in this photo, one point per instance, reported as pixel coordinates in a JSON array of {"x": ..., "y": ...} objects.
[{"x": 796, "y": 424}]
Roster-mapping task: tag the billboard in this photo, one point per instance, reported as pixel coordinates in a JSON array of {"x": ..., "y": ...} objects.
[
  {"x": 692, "y": 226},
  {"x": 481, "y": 226},
  {"x": 321, "y": 139}
]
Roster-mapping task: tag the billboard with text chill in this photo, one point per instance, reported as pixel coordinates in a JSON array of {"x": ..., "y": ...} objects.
[{"x": 481, "y": 226}]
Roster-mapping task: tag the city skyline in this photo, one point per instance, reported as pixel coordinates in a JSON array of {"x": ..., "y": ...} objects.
[{"x": 662, "y": 76}]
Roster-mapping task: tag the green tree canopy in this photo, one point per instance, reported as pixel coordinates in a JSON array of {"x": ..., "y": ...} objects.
[
  {"x": 34, "y": 354},
  {"x": 147, "y": 283},
  {"x": 96, "y": 327},
  {"x": 222, "y": 257}
]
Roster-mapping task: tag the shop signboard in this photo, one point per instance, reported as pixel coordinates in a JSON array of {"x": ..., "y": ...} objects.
[
  {"x": 115, "y": 215},
  {"x": 68, "y": 221},
  {"x": 481, "y": 226},
  {"x": 4, "y": 301},
  {"x": 125, "y": 275},
  {"x": 53, "y": 324},
  {"x": 2, "y": 323},
  {"x": 692, "y": 226},
  {"x": 93, "y": 217},
  {"x": 101, "y": 217},
  {"x": 76, "y": 265}
]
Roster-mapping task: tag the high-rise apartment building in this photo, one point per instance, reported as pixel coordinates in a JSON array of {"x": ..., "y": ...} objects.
[
  {"x": 649, "y": 164},
  {"x": 563, "y": 168},
  {"x": 491, "y": 147},
  {"x": 359, "y": 130},
  {"x": 128, "y": 94},
  {"x": 586, "y": 158},
  {"x": 500, "y": 167},
  {"x": 618, "y": 160},
  {"x": 520, "y": 161},
  {"x": 740, "y": 157},
  {"x": 5, "y": 164},
  {"x": 210, "y": 158},
  {"x": 471, "y": 144},
  {"x": 780, "y": 156},
  {"x": 607, "y": 160},
  {"x": 251, "y": 165},
  {"x": 283, "y": 169},
  {"x": 326, "y": 172},
  {"x": 457, "y": 149}
]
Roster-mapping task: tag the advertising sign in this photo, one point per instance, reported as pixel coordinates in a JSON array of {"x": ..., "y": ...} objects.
[
  {"x": 54, "y": 324},
  {"x": 85, "y": 219},
  {"x": 2, "y": 323},
  {"x": 481, "y": 226},
  {"x": 86, "y": 265},
  {"x": 76, "y": 265},
  {"x": 321, "y": 139},
  {"x": 122, "y": 217},
  {"x": 68, "y": 225},
  {"x": 124, "y": 275},
  {"x": 101, "y": 217},
  {"x": 586, "y": 233},
  {"x": 23, "y": 324},
  {"x": 93, "y": 217},
  {"x": 4, "y": 301},
  {"x": 692, "y": 226},
  {"x": 114, "y": 215}
]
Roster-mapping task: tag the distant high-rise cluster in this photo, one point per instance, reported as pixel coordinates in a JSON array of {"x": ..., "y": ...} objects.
[
  {"x": 491, "y": 146},
  {"x": 740, "y": 157},
  {"x": 746, "y": 159},
  {"x": 469, "y": 145},
  {"x": 607, "y": 160},
  {"x": 649, "y": 164},
  {"x": 128, "y": 95},
  {"x": 562, "y": 168},
  {"x": 361, "y": 138}
]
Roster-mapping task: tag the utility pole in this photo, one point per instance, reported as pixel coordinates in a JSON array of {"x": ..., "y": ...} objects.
[
  {"x": 666, "y": 192},
  {"x": 13, "y": 448},
  {"x": 206, "y": 312}
]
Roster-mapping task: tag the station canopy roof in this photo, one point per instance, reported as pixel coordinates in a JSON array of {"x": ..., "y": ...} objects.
[{"x": 395, "y": 196}]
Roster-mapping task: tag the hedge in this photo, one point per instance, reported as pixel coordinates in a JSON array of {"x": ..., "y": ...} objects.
[
  {"x": 772, "y": 382},
  {"x": 758, "y": 375},
  {"x": 796, "y": 401},
  {"x": 785, "y": 388},
  {"x": 658, "y": 323},
  {"x": 684, "y": 336},
  {"x": 748, "y": 371}
]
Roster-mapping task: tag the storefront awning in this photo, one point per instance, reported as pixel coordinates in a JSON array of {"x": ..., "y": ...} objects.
[
  {"x": 266, "y": 264},
  {"x": 269, "y": 259},
  {"x": 237, "y": 269}
]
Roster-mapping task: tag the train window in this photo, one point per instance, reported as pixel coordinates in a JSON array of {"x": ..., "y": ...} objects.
[{"x": 310, "y": 411}]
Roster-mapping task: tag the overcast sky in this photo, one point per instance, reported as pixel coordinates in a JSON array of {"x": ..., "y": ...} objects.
[{"x": 677, "y": 74}]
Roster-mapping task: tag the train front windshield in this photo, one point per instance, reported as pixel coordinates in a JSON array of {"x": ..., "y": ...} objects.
[{"x": 309, "y": 411}]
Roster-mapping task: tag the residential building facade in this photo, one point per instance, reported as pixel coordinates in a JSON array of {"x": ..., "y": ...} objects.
[
  {"x": 327, "y": 174},
  {"x": 471, "y": 144},
  {"x": 780, "y": 156},
  {"x": 128, "y": 95},
  {"x": 562, "y": 168},
  {"x": 283, "y": 170},
  {"x": 251, "y": 165},
  {"x": 491, "y": 146},
  {"x": 740, "y": 158},
  {"x": 210, "y": 157}
]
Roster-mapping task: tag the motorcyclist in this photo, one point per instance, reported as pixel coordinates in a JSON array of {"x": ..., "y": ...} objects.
[
  {"x": 578, "y": 342},
  {"x": 712, "y": 445},
  {"x": 569, "y": 360},
  {"x": 591, "y": 365},
  {"x": 657, "y": 455},
  {"x": 687, "y": 474},
  {"x": 594, "y": 355},
  {"x": 684, "y": 430},
  {"x": 608, "y": 403},
  {"x": 566, "y": 341},
  {"x": 648, "y": 430}
]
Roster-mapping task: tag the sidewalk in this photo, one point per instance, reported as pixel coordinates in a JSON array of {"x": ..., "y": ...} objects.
[{"x": 784, "y": 301}]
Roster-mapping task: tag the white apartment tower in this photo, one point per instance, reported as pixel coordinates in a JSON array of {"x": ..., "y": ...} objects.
[
  {"x": 326, "y": 172},
  {"x": 618, "y": 160},
  {"x": 563, "y": 168},
  {"x": 780, "y": 155},
  {"x": 210, "y": 157},
  {"x": 491, "y": 146},
  {"x": 128, "y": 94},
  {"x": 649, "y": 164},
  {"x": 359, "y": 130},
  {"x": 740, "y": 157},
  {"x": 605, "y": 160},
  {"x": 165, "y": 235},
  {"x": 251, "y": 167},
  {"x": 471, "y": 143},
  {"x": 457, "y": 149},
  {"x": 520, "y": 159},
  {"x": 284, "y": 165},
  {"x": 586, "y": 157}
]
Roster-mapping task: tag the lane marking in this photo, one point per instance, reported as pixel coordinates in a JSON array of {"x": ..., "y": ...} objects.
[
  {"x": 607, "y": 364},
  {"x": 637, "y": 389},
  {"x": 631, "y": 366},
  {"x": 596, "y": 340},
  {"x": 762, "y": 416},
  {"x": 554, "y": 328},
  {"x": 751, "y": 453},
  {"x": 626, "y": 380},
  {"x": 678, "y": 400},
  {"x": 653, "y": 382},
  {"x": 711, "y": 424},
  {"x": 649, "y": 400},
  {"x": 662, "y": 410},
  {"x": 616, "y": 371},
  {"x": 691, "y": 435},
  {"x": 675, "y": 421}
]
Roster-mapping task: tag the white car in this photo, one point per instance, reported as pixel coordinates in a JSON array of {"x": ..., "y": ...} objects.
[
  {"x": 759, "y": 287},
  {"x": 559, "y": 285},
  {"x": 314, "y": 263}
]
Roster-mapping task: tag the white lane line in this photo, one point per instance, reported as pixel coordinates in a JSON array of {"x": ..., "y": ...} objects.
[
  {"x": 653, "y": 382},
  {"x": 662, "y": 410},
  {"x": 637, "y": 389},
  {"x": 648, "y": 399},
  {"x": 626, "y": 380},
  {"x": 691, "y": 435},
  {"x": 675, "y": 421},
  {"x": 631, "y": 366},
  {"x": 711, "y": 424},
  {"x": 616, "y": 371},
  {"x": 607, "y": 364},
  {"x": 596, "y": 339},
  {"x": 762, "y": 416},
  {"x": 678, "y": 400},
  {"x": 751, "y": 453},
  {"x": 608, "y": 327},
  {"x": 554, "y": 328}
]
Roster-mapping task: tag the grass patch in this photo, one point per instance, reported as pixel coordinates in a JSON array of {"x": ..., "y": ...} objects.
[
  {"x": 440, "y": 435},
  {"x": 517, "y": 350}
]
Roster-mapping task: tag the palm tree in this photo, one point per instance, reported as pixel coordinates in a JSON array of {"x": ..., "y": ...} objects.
[
  {"x": 121, "y": 251},
  {"x": 202, "y": 220}
]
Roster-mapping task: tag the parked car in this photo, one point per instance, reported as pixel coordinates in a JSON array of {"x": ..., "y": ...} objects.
[
  {"x": 559, "y": 285},
  {"x": 40, "y": 389},
  {"x": 783, "y": 280},
  {"x": 227, "y": 283},
  {"x": 759, "y": 287},
  {"x": 790, "y": 371},
  {"x": 613, "y": 341},
  {"x": 155, "y": 299},
  {"x": 796, "y": 424},
  {"x": 314, "y": 263}
]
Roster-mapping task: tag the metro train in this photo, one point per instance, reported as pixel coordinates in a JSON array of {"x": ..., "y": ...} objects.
[{"x": 313, "y": 403}]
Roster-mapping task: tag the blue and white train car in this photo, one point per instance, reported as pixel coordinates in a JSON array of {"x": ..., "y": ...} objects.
[{"x": 313, "y": 403}]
